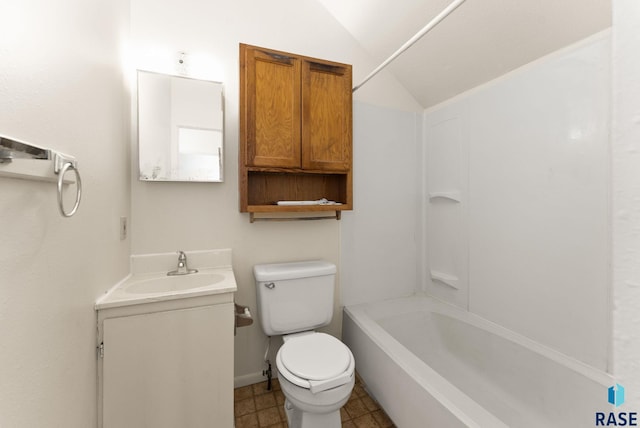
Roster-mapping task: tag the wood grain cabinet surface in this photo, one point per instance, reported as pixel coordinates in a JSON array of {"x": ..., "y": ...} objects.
[{"x": 295, "y": 131}]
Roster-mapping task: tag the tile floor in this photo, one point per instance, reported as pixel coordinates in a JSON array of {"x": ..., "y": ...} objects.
[{"x": 255, "y": 407}]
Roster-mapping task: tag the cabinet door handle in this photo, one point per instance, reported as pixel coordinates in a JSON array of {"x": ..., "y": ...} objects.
[
  {"x": 326, "y": 68},
  {"x": 280, "y": 58}
]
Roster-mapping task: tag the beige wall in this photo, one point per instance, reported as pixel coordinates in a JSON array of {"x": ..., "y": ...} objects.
[
  {"x": 191, "y": 216},
  {"x": 61, "y": 86}
]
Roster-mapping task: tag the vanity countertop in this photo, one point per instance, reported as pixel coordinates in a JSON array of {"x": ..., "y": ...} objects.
[{"x": 149, "y": 283}]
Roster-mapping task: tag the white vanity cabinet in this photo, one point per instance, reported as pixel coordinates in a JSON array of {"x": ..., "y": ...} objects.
[{"x": 167, "y": 363}]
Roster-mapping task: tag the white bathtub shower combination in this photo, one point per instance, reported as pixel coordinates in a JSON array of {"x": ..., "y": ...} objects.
[{"x": 430, "y": 364}]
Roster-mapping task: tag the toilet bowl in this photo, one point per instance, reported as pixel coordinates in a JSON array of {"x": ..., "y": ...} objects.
[{"x": 317, "y": 374}]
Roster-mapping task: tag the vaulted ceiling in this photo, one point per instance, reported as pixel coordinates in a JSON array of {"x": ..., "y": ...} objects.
[{"x": 478, "y": 42}]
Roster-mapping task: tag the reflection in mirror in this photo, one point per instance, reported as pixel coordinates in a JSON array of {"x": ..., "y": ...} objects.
[{"x": 180, "y": 128}]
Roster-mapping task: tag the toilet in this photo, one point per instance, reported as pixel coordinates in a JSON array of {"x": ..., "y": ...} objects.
[{"x": 316, "y": 371}]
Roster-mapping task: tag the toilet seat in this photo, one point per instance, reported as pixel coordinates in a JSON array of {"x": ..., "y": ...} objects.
[{"x": 317, "y": 362}]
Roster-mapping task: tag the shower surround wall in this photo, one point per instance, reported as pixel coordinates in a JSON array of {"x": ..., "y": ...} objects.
[
  {"x": 528, "y": 241},
  {"x": 626, "y": 199},
  {"x": 380, "y": 239}
]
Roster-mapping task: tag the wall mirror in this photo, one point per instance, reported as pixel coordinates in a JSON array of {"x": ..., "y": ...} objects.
[{"x": 180, "y": 128}]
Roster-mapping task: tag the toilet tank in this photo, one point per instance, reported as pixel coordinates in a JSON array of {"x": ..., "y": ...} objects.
[{"x": 295, "y": 296}]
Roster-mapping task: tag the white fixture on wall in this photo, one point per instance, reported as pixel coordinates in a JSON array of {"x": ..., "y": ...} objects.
[
  {"x": 182, "y": 66},
  {"x": 196, "y": 65}
]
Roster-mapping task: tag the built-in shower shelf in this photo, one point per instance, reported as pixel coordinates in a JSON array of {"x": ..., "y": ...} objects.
[
  {"x": 444, "y": 278},
  {"x": 451, "y": 196}
]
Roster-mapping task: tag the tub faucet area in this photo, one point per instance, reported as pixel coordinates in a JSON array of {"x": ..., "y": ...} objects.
[{"x": 182, "y": 268}]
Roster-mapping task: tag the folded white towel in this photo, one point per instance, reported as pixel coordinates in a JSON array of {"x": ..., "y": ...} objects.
[{"x": 322, "y": 201}]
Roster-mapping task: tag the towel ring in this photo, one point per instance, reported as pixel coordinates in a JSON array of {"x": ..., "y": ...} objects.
[{"x": 69, "y": 166}]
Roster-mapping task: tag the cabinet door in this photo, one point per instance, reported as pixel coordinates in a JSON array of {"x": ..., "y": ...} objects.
[
  {"x": 327, "y": 117},
  {"x": 271, "y": 99},
  {"x": 169, "y": 369}
]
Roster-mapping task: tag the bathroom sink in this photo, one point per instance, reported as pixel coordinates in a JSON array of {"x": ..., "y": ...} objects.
[
  {"x": 168, "y": 284},
  {"x": 148, "y": 282}
]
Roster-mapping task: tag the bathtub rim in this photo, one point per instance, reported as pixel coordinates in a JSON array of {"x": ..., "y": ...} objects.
[
  {"x": 454, "y": 399},
  {"x": 446, "y": 308}
]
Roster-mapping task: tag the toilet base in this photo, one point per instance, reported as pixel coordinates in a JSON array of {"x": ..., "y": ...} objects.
[{"x": 296, "y": 418}]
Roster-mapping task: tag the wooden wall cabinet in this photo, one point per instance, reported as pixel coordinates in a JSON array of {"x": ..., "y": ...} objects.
[{"x": 295, "y": 131}]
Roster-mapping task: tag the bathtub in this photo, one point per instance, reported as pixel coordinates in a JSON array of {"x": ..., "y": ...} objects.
[{"x": 430, "y": 364}]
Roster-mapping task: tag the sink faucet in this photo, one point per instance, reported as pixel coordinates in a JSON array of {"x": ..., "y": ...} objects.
[{"x": 182, "y": 266}]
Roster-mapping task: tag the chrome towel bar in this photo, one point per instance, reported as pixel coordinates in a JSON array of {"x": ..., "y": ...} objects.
[
  {"x": 22, "y": 160},
  {"x": 253, "y": 218}
]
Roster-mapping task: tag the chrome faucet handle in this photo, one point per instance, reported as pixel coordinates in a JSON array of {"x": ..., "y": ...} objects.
[
  {"x": 182, "y": 260},
  {"x": 182, "y": 268},
  {"x": 182, "y": 264}
]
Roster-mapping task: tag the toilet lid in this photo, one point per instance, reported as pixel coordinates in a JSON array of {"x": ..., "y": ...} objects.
[{"x": 317, "y": 356}]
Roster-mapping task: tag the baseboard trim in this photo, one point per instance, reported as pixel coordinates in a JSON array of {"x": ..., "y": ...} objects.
[{"x": 249, "y": 379}]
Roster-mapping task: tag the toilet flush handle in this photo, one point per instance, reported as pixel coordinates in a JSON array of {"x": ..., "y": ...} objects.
[{"x": 270, "y": 285}]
